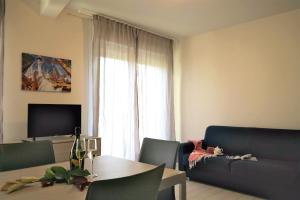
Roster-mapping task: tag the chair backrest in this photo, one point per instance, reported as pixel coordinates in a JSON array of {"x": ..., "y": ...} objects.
[
  {"x": 140, "y": 186},
  {"x": 157, "y": 152},
  {"x": 27, "y": 154}
]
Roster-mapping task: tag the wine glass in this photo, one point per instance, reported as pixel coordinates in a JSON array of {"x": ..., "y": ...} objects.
[
  {"x": 92, "y": 152},
  {"x": 81, "y": 151}
]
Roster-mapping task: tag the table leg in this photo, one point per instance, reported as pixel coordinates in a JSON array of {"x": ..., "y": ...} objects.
[{"x": 182, "y": 190}]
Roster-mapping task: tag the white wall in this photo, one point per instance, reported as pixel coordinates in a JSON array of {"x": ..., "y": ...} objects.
[
  {"x": 27, "y": 31},
  {"x": 246, "y": 75}
]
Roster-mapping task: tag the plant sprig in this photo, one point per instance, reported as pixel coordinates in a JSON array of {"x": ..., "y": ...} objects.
[{"x": 55, "y": 174}]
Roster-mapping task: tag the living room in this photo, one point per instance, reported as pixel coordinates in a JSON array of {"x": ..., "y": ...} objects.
[{"x": 229, "y": 65}]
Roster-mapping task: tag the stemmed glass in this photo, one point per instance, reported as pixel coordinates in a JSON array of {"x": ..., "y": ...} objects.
[
  {"x": 92, "y": 152},
  {"x": 81, "y": 151}
]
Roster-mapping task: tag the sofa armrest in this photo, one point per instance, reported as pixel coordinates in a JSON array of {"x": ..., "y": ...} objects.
[{"x": 184, "y": 150}]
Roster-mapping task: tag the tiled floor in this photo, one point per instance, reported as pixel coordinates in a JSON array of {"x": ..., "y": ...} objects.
[{"x": 199, "y": 191}]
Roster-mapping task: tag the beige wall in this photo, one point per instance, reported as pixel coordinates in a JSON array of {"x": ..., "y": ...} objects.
[
  {"x": 246, "y": 75},
  {"x": 27, "y": 31}
]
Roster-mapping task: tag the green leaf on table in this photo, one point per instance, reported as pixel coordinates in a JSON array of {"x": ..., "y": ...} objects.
[
  {"x": 49, "y": 174},
  {"x": 7, "y": 185},
  {"x": 60, "y": 173},
  {"x": 28, "y": 179},
  {"x": 15, "y": 187},
  {"x": 79, "y": 172},
  {"x": 53, "y": 174},
  {"x": 68, "y": 177}
]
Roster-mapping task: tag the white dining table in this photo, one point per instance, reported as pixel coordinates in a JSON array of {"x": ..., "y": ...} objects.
[{"x": 106, "y": 167}]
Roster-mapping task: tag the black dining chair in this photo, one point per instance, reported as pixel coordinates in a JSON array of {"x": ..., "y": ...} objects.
[
  {"x": 156, "y": 152},
  {"x": 143, "y": 186},
  {"x": 27, "y": 154}
]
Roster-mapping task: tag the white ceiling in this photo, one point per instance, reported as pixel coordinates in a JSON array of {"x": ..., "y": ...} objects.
[{"x": 179, "y": 18}]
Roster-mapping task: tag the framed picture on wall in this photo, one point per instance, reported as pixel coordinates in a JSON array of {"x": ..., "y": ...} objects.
[{"x": 47, "y": 74}]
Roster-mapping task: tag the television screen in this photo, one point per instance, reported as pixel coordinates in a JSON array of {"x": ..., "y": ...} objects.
[{"x": 52, "y": 119}]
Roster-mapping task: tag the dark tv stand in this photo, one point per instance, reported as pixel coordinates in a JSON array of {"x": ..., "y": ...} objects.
[{"x": 62, "y": 146}]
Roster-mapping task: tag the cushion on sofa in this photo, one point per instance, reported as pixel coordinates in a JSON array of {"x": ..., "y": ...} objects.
[
  {"x": 275, "y": 144},
  {"x": 184, "y": 151},
  {"x": 231, "y": 139}
]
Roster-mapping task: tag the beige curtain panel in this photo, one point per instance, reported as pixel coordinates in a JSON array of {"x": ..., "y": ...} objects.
[
  {"x": 2, "y": 14},
  {"x": 131, "y": 88},
  {"x": 113, "y": 82},
  {"x": 155, "y": 86}
]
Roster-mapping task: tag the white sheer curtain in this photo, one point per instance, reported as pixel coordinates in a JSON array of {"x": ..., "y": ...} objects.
[
  {"x": 131, "y": 87},
  {"x": 2, "y": 13},
  {"x": 155, "y": 86},
  {"x": 114, "y": 58}
]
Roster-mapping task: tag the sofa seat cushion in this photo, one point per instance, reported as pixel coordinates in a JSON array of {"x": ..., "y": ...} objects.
[
  {"x": 265, "y": 177},
  {"x": 218, "y": 164},
  {"x": 265, "y": 169},
  {"x": 215, "y": 170}
]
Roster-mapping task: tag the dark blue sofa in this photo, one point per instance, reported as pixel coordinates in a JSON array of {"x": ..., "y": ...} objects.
[{"x": 276, "y": 174}]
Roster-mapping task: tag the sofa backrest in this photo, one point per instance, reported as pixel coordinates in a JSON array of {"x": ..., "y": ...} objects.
[{"x": 280, "y": 144}]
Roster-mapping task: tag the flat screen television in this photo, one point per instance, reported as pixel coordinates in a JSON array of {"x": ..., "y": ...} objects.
[{"x": 52, "y": 119}]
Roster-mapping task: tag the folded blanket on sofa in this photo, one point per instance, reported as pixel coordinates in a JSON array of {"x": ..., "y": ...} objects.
[
  {"x": 243, "y": 157},
  {"x": 199, "y": 153}
]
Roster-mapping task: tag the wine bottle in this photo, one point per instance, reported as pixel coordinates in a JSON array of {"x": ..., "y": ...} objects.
[{"x": 74, "y": 160}]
